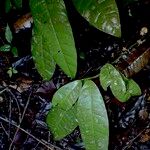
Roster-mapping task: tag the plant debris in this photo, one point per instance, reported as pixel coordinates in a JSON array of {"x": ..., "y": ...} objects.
[{"x": 25, "y": 99}]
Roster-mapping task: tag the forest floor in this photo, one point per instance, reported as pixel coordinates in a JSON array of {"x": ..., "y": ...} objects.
[{"x": 25, "y": 99}]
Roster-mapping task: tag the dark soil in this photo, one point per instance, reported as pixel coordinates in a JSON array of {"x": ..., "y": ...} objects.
[{"x": 25, "y": 99}]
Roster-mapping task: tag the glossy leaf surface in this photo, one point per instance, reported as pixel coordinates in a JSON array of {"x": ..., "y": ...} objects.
[
  {"x": 67, "y": 95},
  {"x": 92, "y": 118},
  {"x": 133, "y": 88},
  {"x": 61, "y": 122},
  {"x": 121, "y": 87},
  {"x": 44, "y": 61},
  {"x": 103, "y": 14},
  {"x": 109, "y": 75},
  {"x": 51, "y": 17}
]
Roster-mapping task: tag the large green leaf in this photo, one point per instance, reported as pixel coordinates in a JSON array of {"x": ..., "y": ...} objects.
[
  {"x": 51, "y": 16},
  {"x": 103, "y": 14},
  {"x": 116, "y": 88},
  {"x": 92, "y": 118},
  {"x": 44, "y": 61},
  {"x": 109, "y": 75},
  {"x": 67, "y": 95},
  {"x": 61, "y": 122},
  {"x": 121, "y": 87}
]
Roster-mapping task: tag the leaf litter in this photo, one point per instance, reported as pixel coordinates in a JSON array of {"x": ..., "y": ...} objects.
[{"x": 25, "y": 98}]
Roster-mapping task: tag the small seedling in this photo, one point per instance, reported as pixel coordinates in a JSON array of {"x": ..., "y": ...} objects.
[{"x": 11, "y": 71}]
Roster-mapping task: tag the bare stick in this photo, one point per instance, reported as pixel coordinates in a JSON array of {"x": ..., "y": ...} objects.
[
  {"x": 20, "y": 121},
  {"x": 132, "y": 140},
  {"x": 19, "y": 111},
  {"x": 5, "y": 132},
  {"x": 40, "y": 141},
  {"x": 9, "y": 116}
]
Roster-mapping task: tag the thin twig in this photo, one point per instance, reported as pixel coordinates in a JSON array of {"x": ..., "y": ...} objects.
[
  {"x": 36, "y": 146},
  {"x": 132, "y": 140},
  {"x": 2, "y": 40},
  {"x": 10, "y": 110},
  {"x": 20, "y": 121},
  {"x": 5, "y": 132},
  {"x": 5, "y": 89},
  {"x": 19, "y": 111},
  {"x": 86, "y": 72},
  {"x": 38, "y": 140}
]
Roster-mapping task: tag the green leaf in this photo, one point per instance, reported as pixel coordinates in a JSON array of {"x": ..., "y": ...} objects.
[
  {"x": 42, "y": 56},
  {"x": 7, "y": 6},
  {"x": 9, "y": 72},
  {"x": 61, "y": 122},
  {"x": 51, "y": 17},
  {"x": 133, "y": 88},
  {"x": 109, "y": 75},
  {"x": 8, "y": 34},
  {"x": 103, "y": 14},
  {"x": 117, "y": 91},
  {"x": 14, "y": 71},
  {"x": 121, "y": 87},
  {"x": 92, "y": 118},
  {"x": 105, "y": 77},
  {"x": 14, "y": 51},
  {"x": 5, "y": 48},
  {"x": 67, "y": 95}
]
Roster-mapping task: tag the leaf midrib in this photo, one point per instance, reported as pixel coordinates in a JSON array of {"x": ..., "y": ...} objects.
[
  {"x": 68, "y": 94},
  {"x": 57, "y": 39},
  {"x": 92, "y": 104}
]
